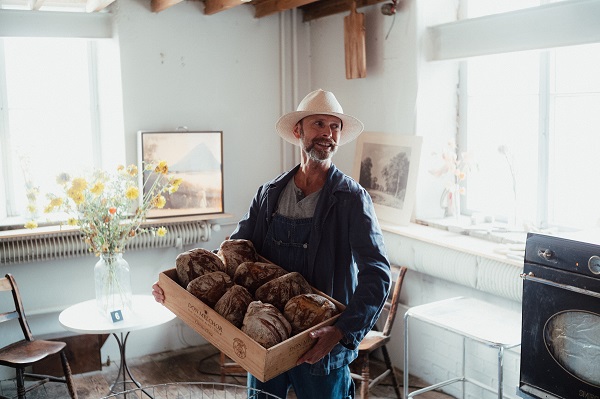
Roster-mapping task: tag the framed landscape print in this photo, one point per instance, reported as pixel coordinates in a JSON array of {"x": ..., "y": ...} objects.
[
  {"x": 194, "y": 156},
  {"x": 386, "y": 165}
]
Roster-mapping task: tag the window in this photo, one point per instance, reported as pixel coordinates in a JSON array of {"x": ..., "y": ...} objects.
[
  {"x": 49, "y": 120},
  {"x": 536, "y": 116}
]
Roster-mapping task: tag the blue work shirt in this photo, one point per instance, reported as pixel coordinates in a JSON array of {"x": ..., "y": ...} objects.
[{"x": 346, "y": 259}]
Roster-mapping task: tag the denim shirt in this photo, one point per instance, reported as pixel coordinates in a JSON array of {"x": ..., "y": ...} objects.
[{"x": 347, "y": 258}]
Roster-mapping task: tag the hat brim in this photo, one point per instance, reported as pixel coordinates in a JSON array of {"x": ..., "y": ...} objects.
[{"x": 351, "y": 127}]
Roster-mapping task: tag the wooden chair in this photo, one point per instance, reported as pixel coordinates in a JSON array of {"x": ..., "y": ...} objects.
[
  {"x": 378, "y": 339},
  {"x": 26, "y": 352},
  {"x": 228, "y": 367}
]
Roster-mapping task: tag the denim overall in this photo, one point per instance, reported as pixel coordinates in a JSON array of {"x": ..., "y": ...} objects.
[{"x": 286, "y": 244}]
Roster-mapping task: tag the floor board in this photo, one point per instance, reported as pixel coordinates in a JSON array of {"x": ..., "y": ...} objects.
[{"x": 198, "y": 364}]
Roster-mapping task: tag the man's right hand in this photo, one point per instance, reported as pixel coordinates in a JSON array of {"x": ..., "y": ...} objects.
[{"x": 158, "y": 293}]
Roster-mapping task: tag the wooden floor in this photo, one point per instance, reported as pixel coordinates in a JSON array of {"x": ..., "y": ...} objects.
[{"x": 170, "y": 375}]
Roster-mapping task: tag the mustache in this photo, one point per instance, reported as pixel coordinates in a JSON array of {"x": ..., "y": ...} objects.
[{"x": 330, "y": 143}]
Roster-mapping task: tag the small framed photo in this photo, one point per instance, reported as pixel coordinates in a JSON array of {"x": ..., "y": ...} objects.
[
  {"x": 194, "y": 156},
  {"x": 386, "y": 165}
]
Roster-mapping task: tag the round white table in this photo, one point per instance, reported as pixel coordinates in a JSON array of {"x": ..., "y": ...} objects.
[{"x": 85, "y": 318}]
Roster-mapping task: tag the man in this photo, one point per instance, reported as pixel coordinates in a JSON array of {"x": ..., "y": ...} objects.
[{"x": 319, "y": 222}]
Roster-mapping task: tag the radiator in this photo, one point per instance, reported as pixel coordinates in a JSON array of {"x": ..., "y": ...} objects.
[{"x": 69, "y": 244}]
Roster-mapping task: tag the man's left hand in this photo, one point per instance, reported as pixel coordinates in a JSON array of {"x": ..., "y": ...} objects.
[{"x": 327, "y": 337}]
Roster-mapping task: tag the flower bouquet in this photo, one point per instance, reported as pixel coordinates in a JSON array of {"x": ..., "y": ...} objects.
[
  {"x": 455, "y": 169},
  {"x": 109, "y": 211}
]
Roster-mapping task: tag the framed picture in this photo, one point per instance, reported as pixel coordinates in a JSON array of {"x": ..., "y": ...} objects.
[
  {"x": 386, "y": 166},
  {"x": 196, "y": 158}
]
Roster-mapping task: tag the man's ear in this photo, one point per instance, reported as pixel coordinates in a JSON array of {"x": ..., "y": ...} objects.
[{"x": 297, "y": 129}]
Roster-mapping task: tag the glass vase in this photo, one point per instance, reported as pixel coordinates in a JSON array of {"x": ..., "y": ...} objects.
[{"x": 113, "y": 286}]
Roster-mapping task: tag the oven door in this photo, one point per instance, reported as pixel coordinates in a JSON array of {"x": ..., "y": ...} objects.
[{"x": 560, "y": 346}]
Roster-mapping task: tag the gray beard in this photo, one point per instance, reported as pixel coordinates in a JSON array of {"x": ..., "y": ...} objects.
[{"x": 314, "y": 152}]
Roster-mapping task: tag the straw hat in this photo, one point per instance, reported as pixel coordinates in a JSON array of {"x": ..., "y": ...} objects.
[{"x": 319, "y": 102}]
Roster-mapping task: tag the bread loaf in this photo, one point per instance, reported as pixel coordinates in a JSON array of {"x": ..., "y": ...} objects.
[
  {"x": 265, "y": 324},
  {"x": 252, "y": 275},
  {"x": 307, "y": 310},
  {"x": 196, "y": 262},
  {"x": 233, "y": 305},
  {"x": 281, "y": 289},
  {"x": 210, "y": 287},
  {"x": 235, "y": 252}
]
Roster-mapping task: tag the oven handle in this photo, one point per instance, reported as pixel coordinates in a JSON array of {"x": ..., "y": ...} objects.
[{"x": 530, "y": 276}]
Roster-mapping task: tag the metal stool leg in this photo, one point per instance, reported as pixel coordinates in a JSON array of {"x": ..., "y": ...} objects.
[
  {"x": 405, "y": 372},
  {"x": 500, "y": 371}
]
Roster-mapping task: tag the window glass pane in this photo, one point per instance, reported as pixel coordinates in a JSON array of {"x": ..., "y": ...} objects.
[
  {"x": 502, "y": 113},
  {"x": 49, "y": 122},
  {"x": 577, "y": 69},
  {"x": 574, "y": 187}
]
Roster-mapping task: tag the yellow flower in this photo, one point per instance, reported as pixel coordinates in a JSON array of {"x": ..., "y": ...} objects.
[
  {"x": 32, "y": 224},
  {"x": 132, "y": 193},
  {"x": 159, "y": 201},
  {"x": 48, "y": 209},
  {"x": 31, "y": 208},
  {"x": 97, "y": 188},
  {"x": 175, "y": 185},
  {"x": 161, "y": 231},
  {"x": 162, "y": 168},
  {"x": 72, "y": 222},
  {"x": 56, "y": 202},
  {"x": 76, "y": 195},
  {"x": 79, "y": 184},
  {"x": 132, "y": 170}
]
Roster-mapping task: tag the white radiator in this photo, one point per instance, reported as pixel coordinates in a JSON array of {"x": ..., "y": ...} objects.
[{"x": 70, "y": 244}]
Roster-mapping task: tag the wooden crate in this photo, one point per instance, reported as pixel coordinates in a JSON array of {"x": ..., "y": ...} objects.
[{"x": 262, "y": 363}]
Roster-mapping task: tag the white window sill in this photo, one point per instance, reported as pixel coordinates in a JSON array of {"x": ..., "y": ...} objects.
[{"x": 510, "y": 251}]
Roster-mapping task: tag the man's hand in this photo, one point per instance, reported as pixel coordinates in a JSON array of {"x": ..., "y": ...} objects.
[
  {"x": 327, "y": 337},
  {"x": 158, "y": 293}
]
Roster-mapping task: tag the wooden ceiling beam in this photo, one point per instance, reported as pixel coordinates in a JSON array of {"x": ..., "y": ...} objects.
[
  {"x": 215, "y": 6},
  {"x": 268, "y": 7},
  {"x": 323, "y": 8},
  {"x": 160, "y": 5}
]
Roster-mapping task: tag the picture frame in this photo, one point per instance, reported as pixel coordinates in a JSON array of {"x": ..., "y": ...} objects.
[
  {"x": 194, "y": 156},
  {"x": 387, "y": 165}
]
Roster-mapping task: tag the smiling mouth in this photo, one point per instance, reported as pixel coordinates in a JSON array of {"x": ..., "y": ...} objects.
[{"x": 325, "y": 144}]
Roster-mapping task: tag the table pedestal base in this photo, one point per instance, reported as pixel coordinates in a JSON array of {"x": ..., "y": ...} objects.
[{"x": 124, "y": 376}]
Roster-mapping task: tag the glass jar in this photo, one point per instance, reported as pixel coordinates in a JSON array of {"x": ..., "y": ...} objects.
[{"x": 113, "y": 285}]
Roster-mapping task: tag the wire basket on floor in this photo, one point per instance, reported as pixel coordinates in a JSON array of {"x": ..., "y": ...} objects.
[{"x": 193, "y": 390}]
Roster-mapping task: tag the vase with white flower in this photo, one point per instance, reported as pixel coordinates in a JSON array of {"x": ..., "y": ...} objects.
[
  {"x": 109, "y": 211},
  {"x": 454, "y": 170}
]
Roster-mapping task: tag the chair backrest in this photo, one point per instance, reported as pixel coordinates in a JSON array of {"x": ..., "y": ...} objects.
[
  {"x": 8, "y": 283},
  {"x": 389, "y": 323}
]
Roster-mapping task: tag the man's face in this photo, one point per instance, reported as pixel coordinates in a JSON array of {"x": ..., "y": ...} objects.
[{"x": 319, "y": 135}]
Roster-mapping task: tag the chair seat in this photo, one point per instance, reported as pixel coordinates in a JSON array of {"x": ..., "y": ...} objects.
[
  {"x": 373, "y": 340},
  {"x": 24, "y": 353}
]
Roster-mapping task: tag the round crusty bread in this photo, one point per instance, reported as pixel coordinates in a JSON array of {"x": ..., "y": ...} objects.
[
  {"x": 281, "y": 289},
  {"x": 235, "y": 252},
  {"x": 307, "y": 310},
  {"x": 252, "y": 275},
  {"x": 233, "y": 305},
  {"x": 265, "y": 324},
  {"x": 210, "y": 287},
  {"x": 196, "y": 262}
]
